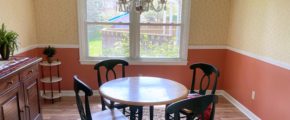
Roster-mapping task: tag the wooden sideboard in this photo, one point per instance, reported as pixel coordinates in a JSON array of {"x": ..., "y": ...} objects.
[{"x": 19, "y": 96}]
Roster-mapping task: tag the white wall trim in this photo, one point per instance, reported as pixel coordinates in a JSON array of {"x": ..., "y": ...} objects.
[
  {"x": 240, "y": 106},
  {"x": 58, "y": 45},
  {"x": 261, "y": 58},
  {"x": 246, "y": 53},
  {"x": 31, "y": 47},
  {"x": 207, "y": 47}
]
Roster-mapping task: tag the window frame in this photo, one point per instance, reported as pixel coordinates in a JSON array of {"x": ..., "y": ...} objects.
[{"x": 134, "y": 45}]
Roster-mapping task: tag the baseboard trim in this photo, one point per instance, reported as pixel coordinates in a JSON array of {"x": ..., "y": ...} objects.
[
  {"x": 240, "y": 106},
  {"x": 58, "y": 45}
]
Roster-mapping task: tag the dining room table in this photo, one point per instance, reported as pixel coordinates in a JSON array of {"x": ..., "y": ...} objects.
[{"x": 143, "y": 91}]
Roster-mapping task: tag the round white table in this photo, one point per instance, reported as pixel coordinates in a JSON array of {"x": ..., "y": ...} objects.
[{"x": 143, "y": 91}]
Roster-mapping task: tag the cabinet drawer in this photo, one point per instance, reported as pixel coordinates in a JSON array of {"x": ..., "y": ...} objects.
[
  {"x": 29, "y": 72},
  {"x": 8, "y": 83}
]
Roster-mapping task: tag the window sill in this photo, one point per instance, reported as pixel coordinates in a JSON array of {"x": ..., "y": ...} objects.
[{"x": 141, "y": 62}]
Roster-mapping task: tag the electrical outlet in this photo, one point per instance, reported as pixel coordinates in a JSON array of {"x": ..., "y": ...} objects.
[
  {"x": 253, "y": 95},
  {"x": 140, "y": 75}
]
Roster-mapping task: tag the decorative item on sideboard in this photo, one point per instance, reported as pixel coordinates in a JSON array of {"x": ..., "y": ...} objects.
[
  {"x": 8, "y": 42},
  {"x": 49, "y": 52}
]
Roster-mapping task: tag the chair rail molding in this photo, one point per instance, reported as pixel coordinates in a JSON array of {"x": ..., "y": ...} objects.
[
  {"x": 261, "y": 58},
  {"x": 193, "y": 47}
]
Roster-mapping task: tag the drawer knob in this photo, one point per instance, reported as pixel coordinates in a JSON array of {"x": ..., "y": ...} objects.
[
  {"x": 10, "y": 82},
  {"x": 29, "y": 72}
]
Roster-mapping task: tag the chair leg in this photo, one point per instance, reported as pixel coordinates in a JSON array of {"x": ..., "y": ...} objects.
[
  {"x": 188, "y": 117},
  {"x": 176, "y": 116},
  {"x": 167, "y": 116},
  {"x": 140, "y": 113},
  {"x": 103, "y": 105},
  {"x": 133, "y": 110},
  {"x": 124, "y": 111},
  {"x": 151, "y": 110}
]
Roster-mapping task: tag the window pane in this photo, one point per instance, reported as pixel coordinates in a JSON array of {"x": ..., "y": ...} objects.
[
  {"x": 171, "y": 15},
  {"x": 108, "y": 40},
  {"x": 159, "y": 41},
  {"x": 105, "y": 11}
]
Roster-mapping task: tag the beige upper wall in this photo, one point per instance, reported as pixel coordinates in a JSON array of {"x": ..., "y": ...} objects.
[
  {"x": 209, "y": 22},
  {"x": 261, "y": 27},
  {"x": 57, "y": 22},
  {"x": 19, "y": 16}
]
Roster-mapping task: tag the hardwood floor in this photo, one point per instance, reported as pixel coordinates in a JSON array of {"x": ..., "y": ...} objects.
[{"x": 66, "y": 109}]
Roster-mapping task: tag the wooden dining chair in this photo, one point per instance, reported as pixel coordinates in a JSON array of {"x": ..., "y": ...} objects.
[
  {"x": 110, "y": 66},
  {"x": 208, "y": 75},
  {"x": 85, "y": 112},
  {"x": 207, "y": 70},
  {"x": 197, "y": 106}
]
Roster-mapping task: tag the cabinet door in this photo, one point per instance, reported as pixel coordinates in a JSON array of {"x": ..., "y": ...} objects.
[
  {"x": 32, "y": 99},
  {"x": 11, "y": 107}
]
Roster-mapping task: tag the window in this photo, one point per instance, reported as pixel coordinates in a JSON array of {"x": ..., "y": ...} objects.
[{"x": 147, "y": 38}]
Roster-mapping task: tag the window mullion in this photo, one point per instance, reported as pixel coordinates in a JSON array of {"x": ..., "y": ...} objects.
[{"x": 134, "y": 35}]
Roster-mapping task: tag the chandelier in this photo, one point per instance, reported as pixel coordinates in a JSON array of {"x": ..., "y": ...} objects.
[{"x": 141, "y": 5}]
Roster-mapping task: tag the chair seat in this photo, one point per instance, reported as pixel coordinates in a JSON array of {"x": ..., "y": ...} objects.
[
  {"x": 189, "y": 112},
  {"x": 112, "y": 114},
  {"x": 206, "y": 112}
]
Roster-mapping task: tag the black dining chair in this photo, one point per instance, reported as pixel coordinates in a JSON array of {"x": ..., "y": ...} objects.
[
  {"x": 207, "y": 71},
  {"x": 208, "y": 75},
  {"x": 197, "y": 106},
  {"x": 85, "y": 112},
  {"x": 110, "y": 66}
]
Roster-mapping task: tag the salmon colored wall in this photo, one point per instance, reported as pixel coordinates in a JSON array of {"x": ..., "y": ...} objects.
[
  {"x": 271, "y": 84},
  {"x": 30, "y": 53},
  {"x": 71, "y": 66}
]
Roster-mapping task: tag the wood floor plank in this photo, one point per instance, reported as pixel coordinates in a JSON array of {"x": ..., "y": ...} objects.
[{"x": 66, "y": 109}]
